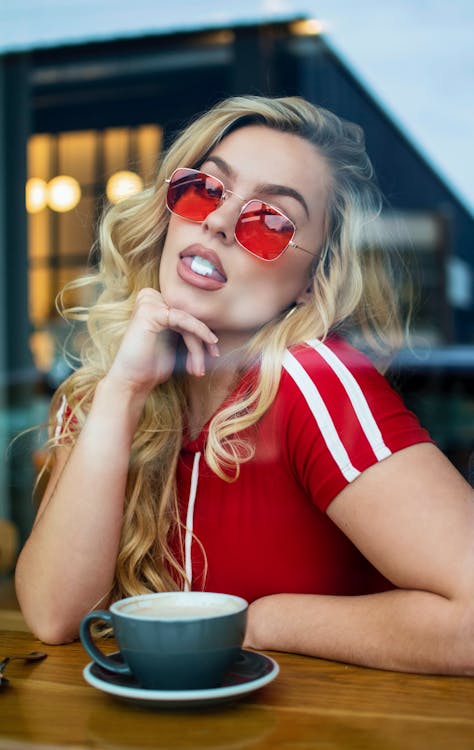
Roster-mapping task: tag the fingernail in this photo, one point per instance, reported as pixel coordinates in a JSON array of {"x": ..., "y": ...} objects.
[
  {"x": 214, "y": 350},
  {"x": 214, "y": 338}
]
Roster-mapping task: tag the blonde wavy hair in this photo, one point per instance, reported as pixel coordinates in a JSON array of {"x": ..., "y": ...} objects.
[{"x": 349, "y": 291}]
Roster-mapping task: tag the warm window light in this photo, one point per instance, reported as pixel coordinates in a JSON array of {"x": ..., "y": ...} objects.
[
  {"x": 309, "y": 27},
  {"x": 122, "y": 185},
  {"x": 36, "y": 195},
  {"x": 64, "y": 193}
]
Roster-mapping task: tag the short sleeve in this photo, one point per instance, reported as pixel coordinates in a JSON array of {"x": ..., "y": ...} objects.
[{"x": 341, "y": 416}]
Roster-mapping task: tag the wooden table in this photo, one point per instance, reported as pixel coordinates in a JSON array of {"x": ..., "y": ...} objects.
[{"x": 311, "y": 704}]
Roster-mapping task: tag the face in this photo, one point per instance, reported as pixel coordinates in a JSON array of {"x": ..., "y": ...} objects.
[{"x": 206, "y": 272}]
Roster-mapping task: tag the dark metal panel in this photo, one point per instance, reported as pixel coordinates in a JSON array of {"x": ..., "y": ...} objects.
[
  {"x": 17, "y": 372},
  {"x": 14, "y": 134},
  {"x": 163, "y": 81}
]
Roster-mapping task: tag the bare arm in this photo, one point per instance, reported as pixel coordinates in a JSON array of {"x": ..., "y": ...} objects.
[
  {"x": 67, "y": 565},
  {"x": 412, "y": 516}
]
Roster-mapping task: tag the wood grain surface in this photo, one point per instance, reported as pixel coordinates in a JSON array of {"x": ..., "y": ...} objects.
[{"x": 312, "y": 704}]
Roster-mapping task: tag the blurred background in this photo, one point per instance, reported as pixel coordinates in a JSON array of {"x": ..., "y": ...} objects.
[{"x": 90, "y": 92}]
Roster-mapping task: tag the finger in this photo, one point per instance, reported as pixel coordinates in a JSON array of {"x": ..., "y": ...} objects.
[
  {"x": 150, "y": 306},
  {"x": 150, "y": 303},
  {"x": 213, "y": 350},
  {"x": 183, "y": 323},
  {"x": 189, "y": 364},
  {"x": 192, "y": 368},
  {"x": 195, "y": 358}
]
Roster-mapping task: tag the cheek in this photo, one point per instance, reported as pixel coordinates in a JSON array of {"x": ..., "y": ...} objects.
[
  {"x": 291, "y": 277},
  {"x": 166, "y": 272},
  {"x": 270, "y": 290},
  {"x": 169, "y": 252}
]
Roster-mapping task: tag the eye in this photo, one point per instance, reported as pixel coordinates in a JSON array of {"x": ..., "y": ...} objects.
[{"x": 213, "y": 188}]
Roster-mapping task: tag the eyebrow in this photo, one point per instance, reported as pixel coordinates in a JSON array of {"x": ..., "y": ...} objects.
[{"x": 266, "y": 187}]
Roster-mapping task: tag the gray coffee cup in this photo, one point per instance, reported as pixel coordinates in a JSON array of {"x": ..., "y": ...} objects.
[{"x": 177, "y": 640}]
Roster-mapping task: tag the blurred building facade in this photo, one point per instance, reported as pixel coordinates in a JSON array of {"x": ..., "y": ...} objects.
[{"x": 93, "y": 110}]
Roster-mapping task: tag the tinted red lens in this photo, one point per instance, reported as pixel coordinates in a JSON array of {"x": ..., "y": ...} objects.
[
  {"x": 263, "y": 230},
  {"x": 193, "y": 195}
]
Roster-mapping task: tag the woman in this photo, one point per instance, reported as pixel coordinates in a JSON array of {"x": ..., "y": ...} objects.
[{"x": 223, "y": 434}]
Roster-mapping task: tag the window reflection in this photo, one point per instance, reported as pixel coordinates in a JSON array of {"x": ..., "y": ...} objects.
[{"x": 59, "y": 242}]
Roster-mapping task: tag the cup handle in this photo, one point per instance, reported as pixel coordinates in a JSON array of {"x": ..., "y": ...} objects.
[{"x": 93, "y": 650}]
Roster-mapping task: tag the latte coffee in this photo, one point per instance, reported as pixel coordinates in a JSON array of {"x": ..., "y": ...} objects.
[{"x": 180, "y": 609}]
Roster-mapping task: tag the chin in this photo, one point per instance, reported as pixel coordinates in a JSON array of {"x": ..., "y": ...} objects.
[
  {"x": 177, "y": 298},
  {"x": 185, "y": 301}
]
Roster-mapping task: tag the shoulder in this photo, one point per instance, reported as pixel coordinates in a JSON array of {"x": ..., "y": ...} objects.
[
  {"x": 345, "y": 394},
  {"x": 331, "y": 364},
  {"x": 332, "y": 376},
  {"x": 336, "y": 388}
]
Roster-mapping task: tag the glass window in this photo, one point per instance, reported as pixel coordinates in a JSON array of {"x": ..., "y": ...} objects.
[{"x": 63, "y": 213}]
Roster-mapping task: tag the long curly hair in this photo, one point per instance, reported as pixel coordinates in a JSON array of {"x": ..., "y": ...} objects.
[{"x": 350, "y": 291}]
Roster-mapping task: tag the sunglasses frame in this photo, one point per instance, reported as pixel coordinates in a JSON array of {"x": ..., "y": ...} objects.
[{"x": 226, "y": 192}]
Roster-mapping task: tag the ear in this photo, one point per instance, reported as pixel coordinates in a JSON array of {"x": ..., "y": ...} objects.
[{"x": 305, "y": 295}]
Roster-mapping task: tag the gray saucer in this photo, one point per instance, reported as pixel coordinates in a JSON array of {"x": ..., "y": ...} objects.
[{"x": 250, "y": 672}]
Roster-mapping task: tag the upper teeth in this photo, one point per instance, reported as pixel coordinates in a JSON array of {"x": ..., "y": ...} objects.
[{"x": 202, "y": 266}]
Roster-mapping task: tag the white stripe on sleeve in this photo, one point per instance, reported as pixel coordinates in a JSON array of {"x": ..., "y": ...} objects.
[
  {"x": 321, "y": 415},
  {"x": 357, "y": 399}
]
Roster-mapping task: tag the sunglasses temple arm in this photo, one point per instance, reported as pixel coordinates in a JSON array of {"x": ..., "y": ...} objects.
[{"x": 293, "y": 244}]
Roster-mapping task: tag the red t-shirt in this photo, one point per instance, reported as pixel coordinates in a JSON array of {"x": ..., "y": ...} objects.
[{"x": 334, "y": 416}]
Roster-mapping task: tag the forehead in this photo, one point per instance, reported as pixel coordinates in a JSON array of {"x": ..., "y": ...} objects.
[{"x": 259, "y": 154}]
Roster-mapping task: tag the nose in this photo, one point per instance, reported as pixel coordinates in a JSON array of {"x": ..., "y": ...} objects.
[{"x": 221, "y": 222}]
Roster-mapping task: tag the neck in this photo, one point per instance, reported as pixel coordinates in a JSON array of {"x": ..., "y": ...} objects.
[
  {"x": 232, "y": 343},
  {"x": 207, "y": 393}
]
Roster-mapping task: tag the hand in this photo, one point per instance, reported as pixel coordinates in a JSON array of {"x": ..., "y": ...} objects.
[{"x": 147, "y": 354}]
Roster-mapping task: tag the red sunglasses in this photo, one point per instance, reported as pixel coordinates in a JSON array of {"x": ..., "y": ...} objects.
[{"x": 261, "y": 229}]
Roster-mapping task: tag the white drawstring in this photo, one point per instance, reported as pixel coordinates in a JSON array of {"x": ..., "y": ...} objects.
[{"x": 189, "y": 523}]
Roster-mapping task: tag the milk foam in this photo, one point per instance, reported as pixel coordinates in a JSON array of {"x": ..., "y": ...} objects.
[{"x": 164, "y": 609}]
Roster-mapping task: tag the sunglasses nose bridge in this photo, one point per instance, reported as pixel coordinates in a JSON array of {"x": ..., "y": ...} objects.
[
  {"x": 237, "y": 208},
  {"x": 224, "y": 217},
  {"x": 226, "y": 193}
]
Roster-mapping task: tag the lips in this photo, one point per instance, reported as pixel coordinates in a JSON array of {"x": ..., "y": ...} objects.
[{"x": 201, "y": 267}]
